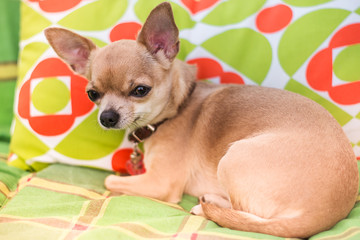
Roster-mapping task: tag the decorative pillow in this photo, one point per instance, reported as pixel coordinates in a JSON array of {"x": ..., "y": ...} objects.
[{"x": 309, "y": 47}]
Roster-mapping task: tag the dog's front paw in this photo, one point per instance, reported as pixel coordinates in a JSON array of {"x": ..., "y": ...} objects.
[{"x": 111, "y": 182}]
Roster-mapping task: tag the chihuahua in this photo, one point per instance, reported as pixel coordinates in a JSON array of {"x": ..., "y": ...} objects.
[{"x": 259, "y": 159}]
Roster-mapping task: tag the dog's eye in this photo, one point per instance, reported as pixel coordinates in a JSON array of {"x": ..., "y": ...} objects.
[
  {"x": 93, "y": 95},
  {"x": 140, "y": 91}
]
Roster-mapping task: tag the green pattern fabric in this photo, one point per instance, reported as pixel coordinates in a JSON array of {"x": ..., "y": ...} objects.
[{"x": 69, "y": 202}]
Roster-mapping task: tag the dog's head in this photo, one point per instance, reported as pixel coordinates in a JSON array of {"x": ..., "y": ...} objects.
[{"x": 130, "y": 81}]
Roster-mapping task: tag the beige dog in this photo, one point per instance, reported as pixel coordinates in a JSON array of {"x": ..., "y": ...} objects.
[{"x": 260, "y": 159}]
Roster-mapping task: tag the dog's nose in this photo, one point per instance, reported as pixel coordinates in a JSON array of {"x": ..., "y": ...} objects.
[{"x": 109, "y": 118}]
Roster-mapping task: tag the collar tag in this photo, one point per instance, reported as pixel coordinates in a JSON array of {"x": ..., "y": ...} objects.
[{"x": 135, "y": 165}]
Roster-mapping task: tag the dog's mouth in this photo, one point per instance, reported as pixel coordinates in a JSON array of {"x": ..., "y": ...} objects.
[{"x": 137, "y": 123}]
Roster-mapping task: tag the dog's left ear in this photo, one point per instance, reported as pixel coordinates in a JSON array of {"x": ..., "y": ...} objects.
[{"x": 160, "y": 32}]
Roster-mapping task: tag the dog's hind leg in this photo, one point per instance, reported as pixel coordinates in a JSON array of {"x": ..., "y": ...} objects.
[{"x": 271, "y": 180}]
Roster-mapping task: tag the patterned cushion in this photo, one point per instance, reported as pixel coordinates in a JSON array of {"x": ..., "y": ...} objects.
[{"x": 308, "y": 47}]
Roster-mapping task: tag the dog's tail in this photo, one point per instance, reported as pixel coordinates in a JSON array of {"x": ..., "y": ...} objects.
[{"x": 243, "y": 221}]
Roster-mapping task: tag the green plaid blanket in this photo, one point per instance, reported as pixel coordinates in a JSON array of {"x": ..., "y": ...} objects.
[{"x": 68, "y": 202}]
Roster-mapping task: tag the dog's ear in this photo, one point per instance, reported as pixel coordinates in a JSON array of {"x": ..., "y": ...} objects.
[
  {"x": 72, "y": 48},
  {"x": 160, "y": 32}
]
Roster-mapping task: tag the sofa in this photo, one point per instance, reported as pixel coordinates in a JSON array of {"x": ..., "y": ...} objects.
[{"x": 54, "y": 156}]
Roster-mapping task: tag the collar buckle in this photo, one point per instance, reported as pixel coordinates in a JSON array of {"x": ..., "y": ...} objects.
[{"x": 141, "y": 134}]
